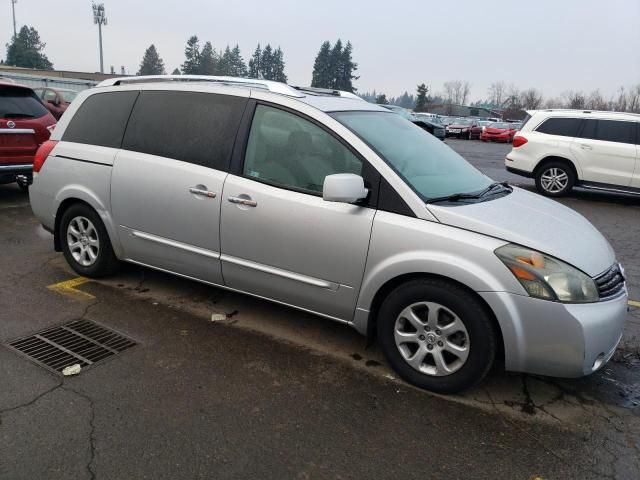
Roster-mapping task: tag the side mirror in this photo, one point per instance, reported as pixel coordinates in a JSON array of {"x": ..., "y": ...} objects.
[{"x": 343, "y": 187}]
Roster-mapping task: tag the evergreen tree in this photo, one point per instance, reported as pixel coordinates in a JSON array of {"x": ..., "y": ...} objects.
[
  {"x": 266, "y": 63},
  {"x": 335, "y": 65},
  {"x": 176, "y": 71},
  {"x": 26, "y": 50},
  {"x": 382, "y": 99},
  {"x": 191, "y": 65},
  {"x": 346, "y": 69},
  {"x": 278, "y": 66},
  {"x": 321, "y": 76},
  {"x": 237, "y": 67},
  {"x": 151, "y": 63},
  {"x": 422, "y": 99},
  {"x": 224, "y": 64},
  {"x": 254, "y": 63},
  {"x": 208, "y": 61}
]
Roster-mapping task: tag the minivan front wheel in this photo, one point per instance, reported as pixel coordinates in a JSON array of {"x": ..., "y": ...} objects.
[
  {"x": 85, "y": 242},
  {"x": 436, "y": 335},
  {"x": 555, "y": 179}
]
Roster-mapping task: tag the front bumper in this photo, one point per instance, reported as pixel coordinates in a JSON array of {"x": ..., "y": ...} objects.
[{"x": 556, "y": 339}]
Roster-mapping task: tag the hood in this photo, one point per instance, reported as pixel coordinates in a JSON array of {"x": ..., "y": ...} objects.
[
  {"x": 457, "y": 125},
  {"x": 536, "y": 222}
]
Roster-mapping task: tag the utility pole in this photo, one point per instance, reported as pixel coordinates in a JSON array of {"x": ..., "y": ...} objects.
[
  {"x": 13, "y": 8},
  {"x": 100, "y": 19}
]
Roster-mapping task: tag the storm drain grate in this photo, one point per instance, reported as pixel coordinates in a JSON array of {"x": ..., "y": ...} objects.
[{"x": 82, "y": 342}]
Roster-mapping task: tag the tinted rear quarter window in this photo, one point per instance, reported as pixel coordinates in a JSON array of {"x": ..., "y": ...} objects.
[
  {"x": 198, "y": 128},
  {"x": 566, "y": 127},
  {"x": 609, "y": 131},
  {"x": 20, "y": 103},
  {"x": 101, "y": 119}
]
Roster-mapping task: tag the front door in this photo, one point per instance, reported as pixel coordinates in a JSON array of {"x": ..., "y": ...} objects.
[
  {"x": 167, "y": 180},
  {"x": 280, "y": 239}
]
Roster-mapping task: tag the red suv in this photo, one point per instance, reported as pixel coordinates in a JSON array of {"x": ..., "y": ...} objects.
[{"x": 24, "y": 125}]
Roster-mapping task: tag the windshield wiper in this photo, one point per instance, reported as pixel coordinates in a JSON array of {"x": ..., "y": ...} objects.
[{"x": 456, "y": 197}]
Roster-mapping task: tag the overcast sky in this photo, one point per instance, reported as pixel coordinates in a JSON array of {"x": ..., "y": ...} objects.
[{"x": 553, "y": 45}]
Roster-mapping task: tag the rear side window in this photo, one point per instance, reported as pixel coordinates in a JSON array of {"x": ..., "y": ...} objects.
[
  {"x": 565, "y": 127},
  {"x": 101, "y": 119},
  {"x": 609, "y": 131},
  {"x": 20, "y": 103},
  {"x": 198, "y": 128}
]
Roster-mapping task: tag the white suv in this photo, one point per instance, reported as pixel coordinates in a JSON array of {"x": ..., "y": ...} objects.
[{"x": 566, "y": 148}]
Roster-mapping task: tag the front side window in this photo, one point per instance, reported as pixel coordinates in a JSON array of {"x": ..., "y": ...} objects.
[
  {"x": 427, "y": 165},
  {"x": 609, "y": 131},
  {"x": 565, "y": 127},
  {"x": 288, "y": 151}
]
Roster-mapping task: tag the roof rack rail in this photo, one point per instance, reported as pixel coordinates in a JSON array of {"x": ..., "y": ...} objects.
[
  {"x": 275, "y": 87},
  {"x": 328, "y": 91}
]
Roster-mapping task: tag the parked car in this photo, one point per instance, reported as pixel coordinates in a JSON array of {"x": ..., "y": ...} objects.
[
  {"x": 57, "y": 100},
  {"x": 561, "y": 149},
  {"x": 498, "y": 132},
  {"x": 336, "y": 206},
  {"x": 464, "y": 128},
  {"x": 430, "y": 125},
  {"x": 24, "y": 125}
]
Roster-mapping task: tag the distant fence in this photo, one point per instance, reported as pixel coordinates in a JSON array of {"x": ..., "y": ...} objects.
[{"x": 35, "y": 81}]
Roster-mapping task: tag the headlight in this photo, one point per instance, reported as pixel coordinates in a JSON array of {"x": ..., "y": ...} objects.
[{"x": 546, "y": 277}]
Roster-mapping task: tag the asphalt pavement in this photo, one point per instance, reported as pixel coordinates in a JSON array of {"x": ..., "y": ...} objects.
[{"x": 221, "y": 385}]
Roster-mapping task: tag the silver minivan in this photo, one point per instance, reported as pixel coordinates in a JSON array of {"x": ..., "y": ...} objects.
[{"x": 321, "y": 201}]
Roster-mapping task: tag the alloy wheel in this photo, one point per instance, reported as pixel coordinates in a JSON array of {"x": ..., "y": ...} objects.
[
  {"x": 554, "y": 180},
  {"x": 83, "y": 241},
  {"x": 432, "y": 339}
]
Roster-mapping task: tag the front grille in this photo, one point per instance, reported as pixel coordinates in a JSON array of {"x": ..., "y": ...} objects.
[
  {"x": 610, "y": 283},
  {"x": 80, "y": 342}
]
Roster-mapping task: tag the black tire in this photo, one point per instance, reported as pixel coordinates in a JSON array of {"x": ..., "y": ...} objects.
[
  {"x": 481, "y": 329},
  {"x": 23, "y": 187},
  {"x": 468, "y": 137},
  {"x": 561, "y": 168},
  {"x": 106, "y": 261}
]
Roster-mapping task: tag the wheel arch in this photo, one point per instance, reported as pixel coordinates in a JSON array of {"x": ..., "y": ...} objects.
[
  {"x": 395, "y": 282},
  {"x": 93, "y": 203},
  {"x": 554, "y": 158}
]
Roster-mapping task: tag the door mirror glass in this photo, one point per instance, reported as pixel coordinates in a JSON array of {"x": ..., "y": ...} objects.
[{"x": 343, "y": 187}]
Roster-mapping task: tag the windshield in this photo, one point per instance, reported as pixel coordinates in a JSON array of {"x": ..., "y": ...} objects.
[
  {"x": 504, "y": 126},
  {"x": 462, "y": 121},
  {"x": 67, "y": 95},
  {"x": 427, "y": 165}
]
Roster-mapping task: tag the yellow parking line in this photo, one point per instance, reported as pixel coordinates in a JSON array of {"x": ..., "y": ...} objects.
[
  {"x": 68, "y": 288},
  {"x": 633, "y": 303}
]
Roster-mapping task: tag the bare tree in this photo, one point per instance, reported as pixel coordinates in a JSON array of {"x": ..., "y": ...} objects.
[
  {"x": 449, "y": 88},
  {"x": 512, "y": 98},
  {"x": 634, "y": 99},
  {"x": 595, "y": 101},
  {"x": 621, "y": 102},
  {"x": 574, "y": 100},
  {"x": 497, "y": 92},
  {"x": 553, "y": 103},
  {"x": 531, "y": 99},
  {"x": 464, "y": 92}
]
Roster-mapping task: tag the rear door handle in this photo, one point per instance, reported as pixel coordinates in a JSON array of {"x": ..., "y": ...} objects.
[
  {"x": 586, "y": 147},
  {"x": 243, "y": 201},
  {"x": 203, "y": 192}
]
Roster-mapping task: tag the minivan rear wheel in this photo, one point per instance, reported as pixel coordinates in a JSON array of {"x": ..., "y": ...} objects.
[
  {"x": 85, "y": 242},
  {"x": 436, "y": 335},
  {"x": 555, "y": 179}
]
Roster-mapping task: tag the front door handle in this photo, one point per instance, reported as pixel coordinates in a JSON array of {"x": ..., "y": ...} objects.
[
  {"x": 202, "y": 191},
  {"x": 586, "y": 147},
  {"x": 243, "y": 201}
]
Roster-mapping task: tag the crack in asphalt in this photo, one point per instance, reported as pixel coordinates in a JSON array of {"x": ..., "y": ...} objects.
[{"x": 92, "y": 438}]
